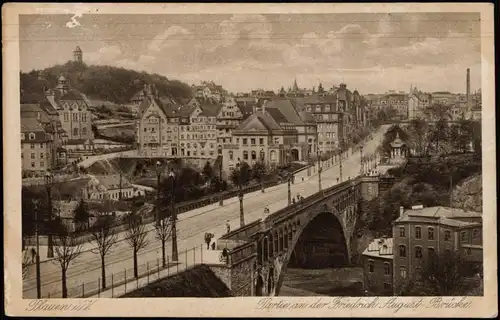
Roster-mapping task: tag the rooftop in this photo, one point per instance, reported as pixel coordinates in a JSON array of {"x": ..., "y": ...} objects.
[
  {"x": 442, "y": 215},
  {"x": 379, "y": 248}
]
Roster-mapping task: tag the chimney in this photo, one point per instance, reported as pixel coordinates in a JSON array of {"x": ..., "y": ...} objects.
[
  {"x": 468, "y": 89},
  {"x": 401, "y": 211}
]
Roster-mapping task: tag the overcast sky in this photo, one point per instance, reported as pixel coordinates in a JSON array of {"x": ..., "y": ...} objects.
[{"x": 373, "y": 53}]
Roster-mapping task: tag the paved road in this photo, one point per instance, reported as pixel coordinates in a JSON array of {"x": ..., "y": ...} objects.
[{"x": 192, "y": 226}]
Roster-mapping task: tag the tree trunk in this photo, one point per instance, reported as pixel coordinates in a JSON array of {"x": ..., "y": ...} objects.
[
  {"x": 63, "y": 282},
  {"x": 103, "y": 272},
  {"x": 163, "y": 253},
  {"x": 135, "y": 264}
]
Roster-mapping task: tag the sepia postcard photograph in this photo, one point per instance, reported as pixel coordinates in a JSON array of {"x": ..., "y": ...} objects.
[{"x": 249, "y": 160}]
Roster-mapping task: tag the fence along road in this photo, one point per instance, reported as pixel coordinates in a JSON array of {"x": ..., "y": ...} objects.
[{"x": 191, "y": 228}]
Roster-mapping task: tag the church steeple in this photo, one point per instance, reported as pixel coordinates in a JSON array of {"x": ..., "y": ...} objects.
[{"x": 295, "y": 86}]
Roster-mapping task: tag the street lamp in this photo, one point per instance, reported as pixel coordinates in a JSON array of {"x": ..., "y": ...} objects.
[
  {"x": 38, "y": 281},
  {"x": 175, "y": 256},
  {"x": 240, "y": 195},
  {"x": 340, "y": 166},
  {"x": 289, "y": 189},
  {"x": 48, "y": 185},
  {"x": 319, "y": 170},
  {"x": 361, "y": 158},
  {"x": 221, "y": 201},
  {"x": 262, "y": 156},
  {"x": 158, "y": 176}
]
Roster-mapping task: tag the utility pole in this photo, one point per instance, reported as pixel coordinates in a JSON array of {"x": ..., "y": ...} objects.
[
  {"x": 340, "y": 166},
  {"x": 319, "y": 170},
  {"x": 48, "y": 185},
  {"x": 38, "y": 280},
  {"x": 120, "y": 171},
  {"x": 240, "y": 195},
  {"x": 175, "y": 255},
  {"x": 289, "y": 190},
  {"x": 221, "y": 201},
  {"x": 158, "y": 175}
]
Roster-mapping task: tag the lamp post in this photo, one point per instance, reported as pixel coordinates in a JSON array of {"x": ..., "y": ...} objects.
[
  {"x": 262, "y": 157},
  {"x": 175, "y": 256},
  {"x": 48, "y": 185},
  {"x": 340, "y": 166},
  {"x": 240, "y": 195},
  {"x": 38, "y": 281},
  {"x": 361, "y": 158},
  {"x": 290, "y": 189},
  {"x": 221, "y": 201},
  {"x": 158, "y": 176},
  {"x": 319, "y": 170}
]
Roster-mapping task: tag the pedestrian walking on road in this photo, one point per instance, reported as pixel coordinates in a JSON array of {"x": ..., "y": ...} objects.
[
  {"x": 33, "y": 255},
  {"x": 213, "y": 245},
  {"x": 208, "y": 239},
  {"x": 228, "y": 226}
]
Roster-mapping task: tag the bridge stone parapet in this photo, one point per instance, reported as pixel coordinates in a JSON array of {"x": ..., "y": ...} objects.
[{"x": 315, "y": 232}]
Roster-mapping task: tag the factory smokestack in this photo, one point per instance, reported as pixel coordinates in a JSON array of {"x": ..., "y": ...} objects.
[{"x": 468, "y": 89}]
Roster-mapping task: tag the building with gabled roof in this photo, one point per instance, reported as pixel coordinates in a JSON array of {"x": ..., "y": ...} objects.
[
  {"x": 37, "y": 146},
  {"x": 377, "y": 261}
]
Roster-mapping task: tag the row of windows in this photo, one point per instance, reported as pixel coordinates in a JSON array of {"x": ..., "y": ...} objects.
[
  {"x": 83, "y": 131},
  {"x": 195, "y": 145},
  {"x": 253, "y": 141},
  {"x": 430, "y": 234},
  {"x": 32, "y": 145},
  {"x": 200, "y": 136},
  {"x": 33, "y": 155},
  {"x": 83, "y": 116},
  {"x": 387, "y": 267},
  {"x": 195, "y": 154},
  {"x": 33, "y": 164},
  {"x": 418, "y": 251}
]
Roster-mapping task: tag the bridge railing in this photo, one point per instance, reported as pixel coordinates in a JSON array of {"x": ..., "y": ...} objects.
[
  {"x": 243, "y": 233},
  {"x": 290, "y": 210}
]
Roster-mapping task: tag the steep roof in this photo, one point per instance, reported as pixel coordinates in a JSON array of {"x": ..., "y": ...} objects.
[
  {"x": 210, "y": 109},
  {"x": 307, "y": 117},
  {"x": 287, "y": 108},
  {"x": 277, "y": 115},
  {"x": 264, "y": 118},
  {"x": 380, "y": 248}
]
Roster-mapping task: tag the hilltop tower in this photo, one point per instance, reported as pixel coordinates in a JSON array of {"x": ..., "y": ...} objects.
[{"x": 78, "y": 55}]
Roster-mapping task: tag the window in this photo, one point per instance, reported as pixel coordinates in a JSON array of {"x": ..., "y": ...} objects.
[
  {"x": 66, "y": 117},
  {"x": 245, "y": 155},
  {"x": 430, "y": 233},
  {"x": 475, "y": 234},
  {"x": 402, "y": 232},
  {"x": 371, "y": 266},
  {"x": 387, "y": 268},
  {"x": 418, "y": 252},
  {"x": 75, "y": 117},
  {"x": 231, "y": 155},
  {"x": 447, "y": 235},
  {"x": 463, "y": 236},
  {"x": 431, "y": 251},
  {"x": 245, "y": 140},
  {"x": 32, "y": 146},
  {"x": 42, "y": 164},
  {"x": 402, "y": 251},
  {"x": 32, "y": 164},
  {"x": 84, "y": 131},
  {"x": 252, "y": 141},
  {"x": 418, "y": 233},
  {"x": 254, "y": 155},
  {"x": 402, "y": 272},
  {"x": 418, "y": 274},
  {"x": 41, "y": 155},
  {"x": 84, "y": 117},
  {"x": 145, "y": 129},
  {"x": 32, "y": 136},
  {"x": 32, "y": 155},
  {"x": 261, "y": 141},
  {"x": 75, "y": 131}
]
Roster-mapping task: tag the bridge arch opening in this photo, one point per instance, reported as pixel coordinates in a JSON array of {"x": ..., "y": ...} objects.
[{"x": 318, "y": 244}]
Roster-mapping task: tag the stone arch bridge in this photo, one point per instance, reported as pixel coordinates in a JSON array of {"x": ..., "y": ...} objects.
[{"x": 315, "y": 233}]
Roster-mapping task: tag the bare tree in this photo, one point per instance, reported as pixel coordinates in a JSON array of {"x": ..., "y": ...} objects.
[
  {"x": 136, "y": 236},
  {"x": 25, "y": 263},
  {"x": 446, "y": 274},
  {"x": 104, "y": 238},
  {"x": 66, "y": 249},
  {"x": 163, "y": 231}
]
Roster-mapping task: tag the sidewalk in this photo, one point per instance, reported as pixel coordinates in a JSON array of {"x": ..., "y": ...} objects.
[{"x": 197, "y": 257}]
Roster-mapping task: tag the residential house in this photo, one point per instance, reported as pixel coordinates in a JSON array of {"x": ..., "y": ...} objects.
[
  {"x": 421, "y": 233},
  {"x": 73, "y": 110},
  {"x": 209, "y": 90},
  {"x": 37, "y": 146},
  {"x": 377, "y": 266},
  {"x": 228, "y": 119},
  {"x": 108, "y": 187},
  {"x": 418, "y": 101},
  {"x": 158, "y": 127}
]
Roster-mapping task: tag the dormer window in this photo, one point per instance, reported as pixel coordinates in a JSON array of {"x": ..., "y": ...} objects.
[{"x": 32, "y": 136}]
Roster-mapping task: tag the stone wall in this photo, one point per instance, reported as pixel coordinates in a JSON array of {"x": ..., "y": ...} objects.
[
  {"x": 242, "y": 277},
  {"x": 223, "y": 273}
]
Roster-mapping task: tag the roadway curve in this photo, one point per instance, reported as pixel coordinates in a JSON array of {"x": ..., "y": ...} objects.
[{"x": 191, "y": 228}]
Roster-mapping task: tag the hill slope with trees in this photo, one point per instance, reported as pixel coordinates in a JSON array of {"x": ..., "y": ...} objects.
[{"x": 99, "y": 82}]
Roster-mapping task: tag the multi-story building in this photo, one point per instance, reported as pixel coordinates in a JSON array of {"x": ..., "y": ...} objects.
[
  {"x": 421, "y": 233},
  {"x": 104, "y": 187},
  {"x": 73, "y": 110},
  {"x": 377, "y": 266},
  {"x": 228, "y": 119},
  {"x": 304, "y": 123},
  {"x": 209, "y": 90},
  {"x": 157, "y": 126},
  {"x": 418, "y": 101},
  {"x": 37, "y": 146},
  {"x": 261, "y": 138}
]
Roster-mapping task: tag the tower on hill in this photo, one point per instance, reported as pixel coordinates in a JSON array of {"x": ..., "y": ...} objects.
[{"x": 78, "y": 55}]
